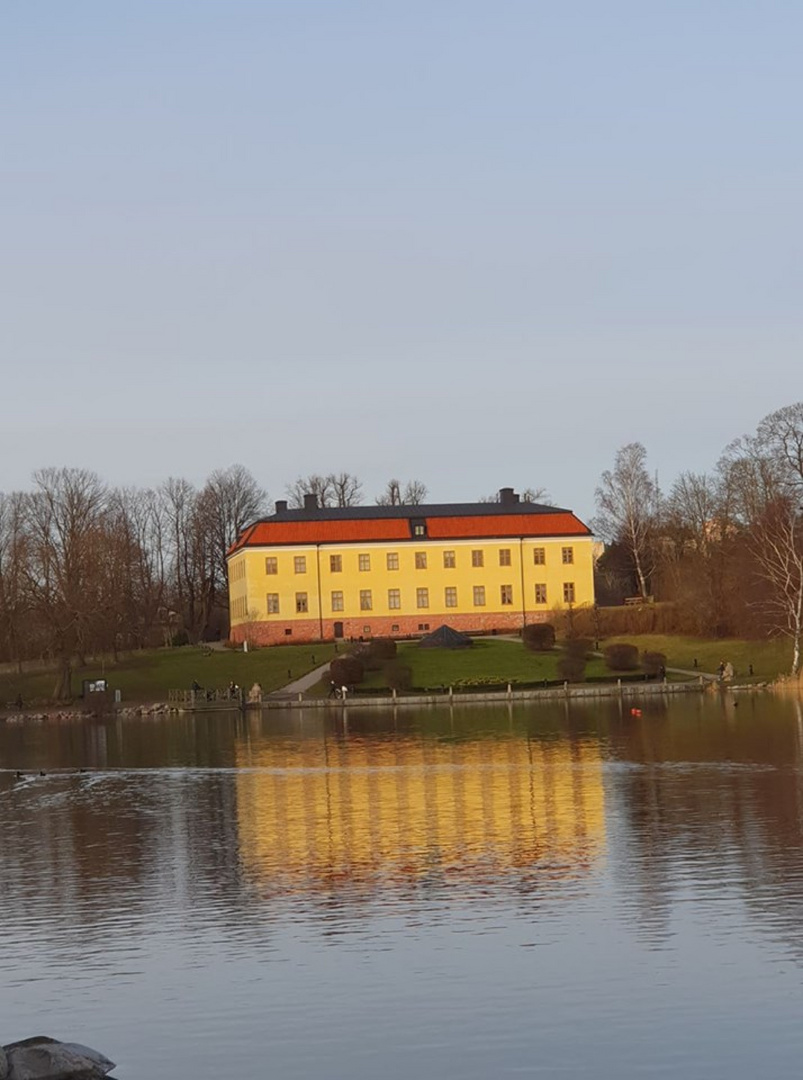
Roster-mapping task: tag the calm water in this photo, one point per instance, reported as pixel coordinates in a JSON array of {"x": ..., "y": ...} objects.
[{"x": 530, "y": 892}]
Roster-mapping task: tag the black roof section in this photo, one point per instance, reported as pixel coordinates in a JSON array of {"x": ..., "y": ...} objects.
[{"x": 366, "y": 513}]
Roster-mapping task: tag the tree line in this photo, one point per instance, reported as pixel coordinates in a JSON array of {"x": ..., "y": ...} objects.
[
  {"x": 725, "y": 546},
  {"x": 86, "y": 568}
]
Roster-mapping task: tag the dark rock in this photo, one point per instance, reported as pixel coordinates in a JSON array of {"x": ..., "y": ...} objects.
[{"x": 42, "y": 1058}]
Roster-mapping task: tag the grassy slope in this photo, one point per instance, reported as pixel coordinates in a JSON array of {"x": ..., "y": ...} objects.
[
  {"x": 489, "y": 660},
  {"x": 147, "y": 676},
  {"x": 769, "y": 658}
]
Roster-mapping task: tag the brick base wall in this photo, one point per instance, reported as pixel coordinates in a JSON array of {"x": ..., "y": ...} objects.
[{"x": 309, "y": 630}]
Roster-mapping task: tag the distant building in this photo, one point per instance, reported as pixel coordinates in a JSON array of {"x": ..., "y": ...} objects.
[{"x": 393, "y": 571}]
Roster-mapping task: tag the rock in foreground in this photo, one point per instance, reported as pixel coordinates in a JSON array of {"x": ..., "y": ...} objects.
[{"x": 41, "y": 1058}]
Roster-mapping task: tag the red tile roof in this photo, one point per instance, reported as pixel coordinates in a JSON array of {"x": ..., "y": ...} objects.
[{"x": 365, "y": 530}]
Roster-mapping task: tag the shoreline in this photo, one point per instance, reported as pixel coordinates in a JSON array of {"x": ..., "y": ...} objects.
[{"x": 632, "y": 691}]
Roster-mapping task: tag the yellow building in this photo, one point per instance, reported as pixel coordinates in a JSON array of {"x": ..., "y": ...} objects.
[{"x": 392, "y": 571}]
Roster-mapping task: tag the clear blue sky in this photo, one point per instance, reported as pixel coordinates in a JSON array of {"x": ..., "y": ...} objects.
[{"x": 475, "y": 243}]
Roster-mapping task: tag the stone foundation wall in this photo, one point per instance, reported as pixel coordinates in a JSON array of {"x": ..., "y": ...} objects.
[{"x": 303, "y": 631}]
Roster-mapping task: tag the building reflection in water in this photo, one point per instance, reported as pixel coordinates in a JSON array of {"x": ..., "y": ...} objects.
[{"x": 331, "y": 811}]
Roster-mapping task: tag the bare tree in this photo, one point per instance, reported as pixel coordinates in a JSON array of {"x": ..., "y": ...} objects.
[
  {"x": 412, "y": 493},
  {"x": 627, "y": 507},
  {"x": 14, "y": 600},
  {"x": 137, "y": 526},
  {"x": 765, "y": 473},
  {"x": 392, "y": 495},
  {"x": 232, "y": 499},
  {"x": 334, "y": 489},
  {"x": 693, "y": 550},
  {"x": 179, "y": 506},
  {"x": 315, "y": 484},
  {"x": 346, "y": 489},
  {"x": 64, "y": 524}
]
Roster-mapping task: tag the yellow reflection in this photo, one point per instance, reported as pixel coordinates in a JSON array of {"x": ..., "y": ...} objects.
[{"x": 319, "y": 811}]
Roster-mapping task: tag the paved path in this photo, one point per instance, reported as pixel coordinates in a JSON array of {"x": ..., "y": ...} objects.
[{"x": 300, "y": 686}]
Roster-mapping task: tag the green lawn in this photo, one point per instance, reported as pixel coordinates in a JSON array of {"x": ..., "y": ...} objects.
[
  {"x": 489, "y": 660},
  {"x": 769, "y": 658},
  {"x": 148, "y": 675}
]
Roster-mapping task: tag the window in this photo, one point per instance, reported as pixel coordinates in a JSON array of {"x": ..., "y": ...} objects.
[
  {"x": 300, "y": 564},
  {"x": 567, "y": 555},
  {"x": 394, "y": 628},
  {"x": 271, "y": 565},
  {"x": 421, "y": 560},
  {"x": 479, "y": 596},
  {"x": 367, "y": 631},
  {"x": 336, "y": 564},
  {"x": 448, "y": 560},
  {"x": 364, "y": 562},
  {"x": 422, "y": 597},
  {"x": 394, "y": 599},
  {"x": 418, "y": 527},
  {"x": 540, "y": 594},
  {"x": 539, "y": 556},
  {"x": 337, "y": 601},
  {"x": 506, "y": 594},
  {"x": 423, "y": 626},
  {"x": 477, "y": 558},
  {"x": 450, "y": 597},
  {"x": 273, "y": 603},
  {"x": 393, "y": 560},
  {"x": 288, "y": 632},
  {"x": 504, "y": 556},
  {"x": 365, "y": 600},
  {"x": 568, "y": 592},
  {"x": 302, "y": 607}
]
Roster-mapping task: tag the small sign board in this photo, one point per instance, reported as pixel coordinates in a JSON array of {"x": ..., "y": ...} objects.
[{"x": 94, "y": 686}]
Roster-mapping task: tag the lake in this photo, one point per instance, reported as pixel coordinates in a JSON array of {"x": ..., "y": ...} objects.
[{"x": 540, "y": 890}]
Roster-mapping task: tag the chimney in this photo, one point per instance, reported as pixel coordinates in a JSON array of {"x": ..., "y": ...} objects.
[
  {"x": 280, "y": 507},
  {"x": 311, "y": 501},
  {"x": 508, "y": 497}
]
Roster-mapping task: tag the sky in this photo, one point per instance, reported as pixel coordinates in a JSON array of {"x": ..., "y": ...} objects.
[{"x": 479, "y": 244}]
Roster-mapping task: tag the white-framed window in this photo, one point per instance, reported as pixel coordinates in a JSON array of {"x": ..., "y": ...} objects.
[
  {"x": 364, "y": 562},
  {"x": 302, "y": 604},
  {"x": 504, "y": 556},
  {"x": 336, "y": 564},
  {"x": 539, "y": 556},
  {"x": 479, "y": 596},
  {"x": 450, "y": 596},
  {"x": 273, "y": 603},
  {"x": 506, "y": 594},
  {"x": 422, "y": 598},
  {"x": 540, "y": 593},
  {"x": 366, "y": 603},
  {"x": 300, "y": 564},
  {"x": 567, "y": 555},
  {"x": 394, "y": 599},
  {"x": 449, "y": 560},
  {"x": 568, "y": 592},
  {"x": 271, "y": 564},
  {"x": 393, "y": 560},
  {"x": 421, "y": 560},
  {"x": 337, "y": 601}
]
